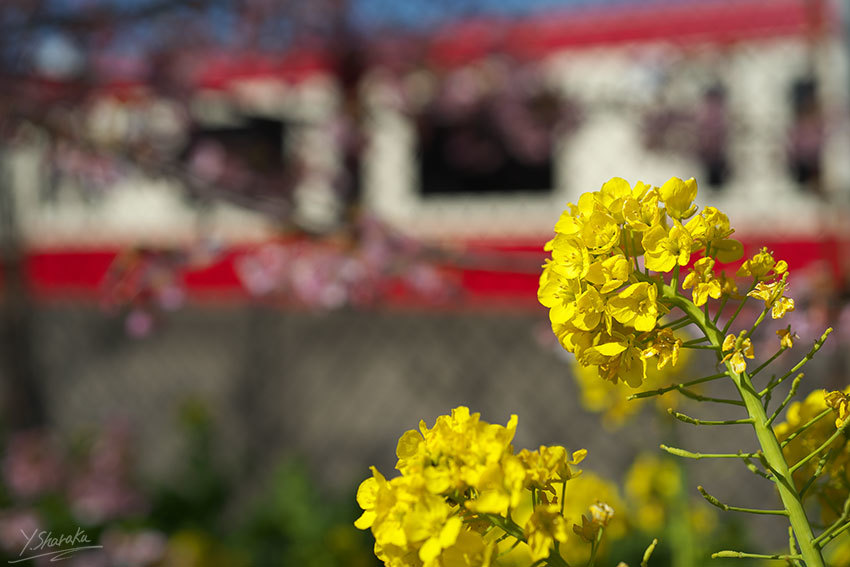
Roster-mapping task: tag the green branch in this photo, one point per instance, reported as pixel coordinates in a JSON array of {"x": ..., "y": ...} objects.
[
  {"x": 767, "y": 362},
  {"x": 770, "y": 448},
  {"x": 833, "y": 535},
  {"x": 723, "y": 301},
  {"x": 791, "y": 393},
  {"x": 818, "y": 471},
  {"x": 755, "y": 470},
  {"x": 800, "y": 430},
  {"x": 816, "y": 347},
  {"x": 726, "y": 508},
  {"x": 693, "y": 421},
  {"x": 743, "y": 555},
  {"x": 823, "y": 446},
  {"x": 671, "y": 387},
  {"x": 683, "y": 319},
  {"x": 697, "y": 456},
  {"x": 737, "y": 311},
  {"x": 700, "y": 398},
  {"x": 837, "y": 526}
]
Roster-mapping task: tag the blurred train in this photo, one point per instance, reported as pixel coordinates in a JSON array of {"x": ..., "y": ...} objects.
[{"x": 474, "y": 138}]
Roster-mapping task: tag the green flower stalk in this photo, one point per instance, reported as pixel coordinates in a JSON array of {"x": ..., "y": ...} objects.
[{"x": 622, "y": 259}]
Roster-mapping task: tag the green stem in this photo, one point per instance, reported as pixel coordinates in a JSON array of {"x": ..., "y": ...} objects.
[
  {"x": 791, "y": 393},
  {"x": 771, "y": 450},
  {"x": 805, "y": 426},
  {"x": 768, "y": 361},
  {"x": 734, "y": 316},
  {"x": 700, "y": 398},
  {"x": 818, "y": 471},
  {"x": 824, "y": 445},
  {"x": 693, "y": 421},
  {"x": 742, "y": 555},
  {"x": 703, "y": 347},
  {"x": 697, "y": 456},
  {"x": 834, "y": 535},
  {"x": 595, "y": 547},
  {"x": 799, "y": 365},
  {"x": 726, "y": 508},
  {"x": 660, "y": 391},
  {"x": 723, "y": 301},
  {"x": 757, "y": 471},
  {"x": 684, "y": 319},
  {"x": 756, "y": 324}
]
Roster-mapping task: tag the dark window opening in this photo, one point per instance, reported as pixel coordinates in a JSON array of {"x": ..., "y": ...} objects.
[
  {"x": 806, "y": 136},
  {"x": 497, "y": 147}
]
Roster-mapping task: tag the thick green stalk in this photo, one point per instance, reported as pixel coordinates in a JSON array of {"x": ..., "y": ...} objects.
[{"x": 764, "y": 433}]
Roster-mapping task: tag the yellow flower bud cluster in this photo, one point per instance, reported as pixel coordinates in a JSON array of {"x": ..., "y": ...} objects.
[
  {"x": 603, "y": 305},
  {"x": 762, "y": 267},
  {"x": 458, "y": 479},
  {"x": 738, "y": 348},
  {"x": 836, "y": 474}
]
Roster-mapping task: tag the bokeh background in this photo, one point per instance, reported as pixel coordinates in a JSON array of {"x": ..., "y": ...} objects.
[{"x": 245, "y": 245}]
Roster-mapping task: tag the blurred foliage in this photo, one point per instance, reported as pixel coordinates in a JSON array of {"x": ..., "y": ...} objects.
[{"x": 186, "y": 521}]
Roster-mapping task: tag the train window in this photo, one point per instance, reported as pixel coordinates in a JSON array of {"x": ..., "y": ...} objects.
[
  {"x": 806, "y": 135},
  {"x": 498, "y": 144}
]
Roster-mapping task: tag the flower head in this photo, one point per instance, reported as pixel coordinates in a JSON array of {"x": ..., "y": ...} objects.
[
  {"x": 740, "y": 347},
  {"x": 667, "y": 248},
  {"x": 665, "y": 345},
  {"x": 636, "y": 306},
  {"x": 840, "y": 402},
  {"x": 678, "y": 197},
  {"x": 545, "y": 526},
  {"x": 703, "y": 281},
  {"x": 786, "y": 338},
  {"x": 762, "y": 265}
]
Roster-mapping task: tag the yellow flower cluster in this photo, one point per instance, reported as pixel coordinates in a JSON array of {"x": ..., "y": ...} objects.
[
  {"x": 837, "y": 469},
  {"x": 762, "y": 267},
  {"x": 455, "y": 478},
  {"x": 738, "y": 348},
  {"x": 603, "y": 307}
]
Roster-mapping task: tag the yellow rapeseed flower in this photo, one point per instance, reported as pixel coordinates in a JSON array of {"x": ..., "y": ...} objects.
[
  {"x": 609, "y": 274},
  {"x": 678, "y": 197},
  {"x": 762, "y": 265},
  {"x": 559, "y": 294},
  {"x": 740, "y": 347},
  {"x": 840, "y": 402},
  {"x": 599, "y": 516},
  {"x": 635, "y": 306},
  {"x": 600, "y": 233},
  {"x": 702, "y": 279},
  {"x": 665, "y": 345},
  {"x": 665, "y": 249},
  {"x": 642, "y": 212},
  {"x": 773, "y": 296},
  {"x": 548, "y": 466},
  {"x": 589, "y": 309},
  {"x": 544, "y": 527},
  {"x": 569, "y": 256},
  {"x": 786, "y": 337}
]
